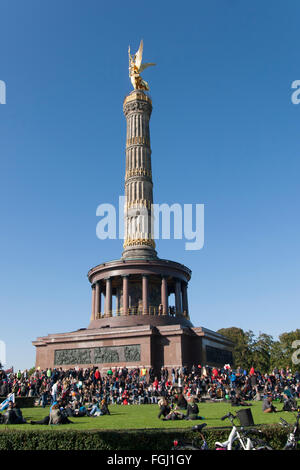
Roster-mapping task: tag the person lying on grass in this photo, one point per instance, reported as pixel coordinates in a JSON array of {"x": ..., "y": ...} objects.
[{"x": 57, "y": 416}]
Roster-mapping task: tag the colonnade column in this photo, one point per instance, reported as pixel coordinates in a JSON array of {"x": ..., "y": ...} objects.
[
  {"x": 93, "y": 302},
  {"x": 108, "y": 298},
  {"x": 125, "y": 295},
  {"x": 178, "y": 303},
  {"x": 145, "y": 285},
  {"x": 185, "y": 306},
  {"x": 164, "y": 295},
  {"x": 97, "y": 300}
]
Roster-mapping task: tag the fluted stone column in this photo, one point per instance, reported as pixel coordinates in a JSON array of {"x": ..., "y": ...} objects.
[
  {"x": 139, "y": 242},
  {"x": 97, "y": 300},
  {"x": 185, "y": 307},
  {"x": 93, "y": 301},
  {"x": 125, "y": 295},
  {"x": 178, "y": 303},
  {"x": 108, "y": 298},
  {"x": 164, "y": 295},
  {"x": 145, "y": 285}
]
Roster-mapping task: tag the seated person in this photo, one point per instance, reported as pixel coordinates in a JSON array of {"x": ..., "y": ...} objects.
[
  {"x": 55, "y": 415},
  {"x": 192, "y": 410},
  {"x": 13, "y": 415},
  {"x": 257, "y": 394},
  {"x": 78, "y": 410},
  {"x": 267, "y": 406},
  {"x": 58, "y": 416},
  {"x": 181, "y": 402},
  {"x": 164, "y": 407},
  {"x": 287, "y": 393},
  {"x": 94, "y": 410},
  {"x": 20, "y": 419},
  {"x": 290, "y": 404},
  {"x": 69, "y": 410},
  {"x": 104, "y": 408},
  {"x": 237, "y": 400},
  {"x": 174, "y": 414}
]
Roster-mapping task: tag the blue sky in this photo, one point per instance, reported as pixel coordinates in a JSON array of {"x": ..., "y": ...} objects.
[{"x": 224, "y": 133}]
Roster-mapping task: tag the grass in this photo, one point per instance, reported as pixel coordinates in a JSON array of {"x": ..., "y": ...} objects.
[{"x": 145, "y": 417}]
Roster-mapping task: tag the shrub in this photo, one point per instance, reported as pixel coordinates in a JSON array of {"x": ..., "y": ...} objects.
[{"x": 56, "y": 438}]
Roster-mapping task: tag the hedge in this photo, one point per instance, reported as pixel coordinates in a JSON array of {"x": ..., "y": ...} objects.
[
  {"x": 135, "y": 440},
  {"x": 22, "y": 402}
]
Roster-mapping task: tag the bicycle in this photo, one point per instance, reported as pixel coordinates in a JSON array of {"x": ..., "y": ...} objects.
[
  {"x": 240, "y": 440},
  {"x": 292, "y": 442},
  {"x": 178, "y": 445}
]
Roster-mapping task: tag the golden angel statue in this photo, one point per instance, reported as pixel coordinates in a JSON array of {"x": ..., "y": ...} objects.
[{"x": 136, "y": 67}]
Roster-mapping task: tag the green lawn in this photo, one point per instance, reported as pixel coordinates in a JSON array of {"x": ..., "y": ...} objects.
[{"x": 145, "y": 416}]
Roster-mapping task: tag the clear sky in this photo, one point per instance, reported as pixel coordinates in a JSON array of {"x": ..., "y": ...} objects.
[{"x": 224, "y": 133}]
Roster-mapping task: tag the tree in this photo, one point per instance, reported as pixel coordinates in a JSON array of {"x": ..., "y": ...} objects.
[
  {"x": 283, "y": 352},
  {"x": 242, "y": 351},
  {"x": 261, "y": 354}
]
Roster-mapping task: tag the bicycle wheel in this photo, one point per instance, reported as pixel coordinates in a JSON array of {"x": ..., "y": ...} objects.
[{"x": 261, "y": 445}]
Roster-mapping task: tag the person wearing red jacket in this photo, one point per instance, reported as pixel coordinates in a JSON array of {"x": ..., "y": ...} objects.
[{"x": 97, "y": 375}]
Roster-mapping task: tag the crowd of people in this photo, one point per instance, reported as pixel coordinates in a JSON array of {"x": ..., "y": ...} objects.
[{"x": 89, "y": 392}]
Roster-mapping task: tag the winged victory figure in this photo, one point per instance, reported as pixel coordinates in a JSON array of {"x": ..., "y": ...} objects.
[{"x": 136, "y": 67}]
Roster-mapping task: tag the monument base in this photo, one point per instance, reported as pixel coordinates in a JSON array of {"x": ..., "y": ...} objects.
[{"x": 147, "y": 345}]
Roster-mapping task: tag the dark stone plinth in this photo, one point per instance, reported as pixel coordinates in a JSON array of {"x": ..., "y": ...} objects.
[{"x": 132, "y": 346}]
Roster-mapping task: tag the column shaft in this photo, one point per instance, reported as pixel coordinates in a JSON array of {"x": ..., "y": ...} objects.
[
  {"x": 145, "y": 295},
  {"x": 93, "y": 302},
  {"x": 185, "y": 306},
  {"x": 164, "y": 295},
  {"x": 178, "y": 297},
  {"x": 108, "y": 298},
  {"x": 125, "y": 295},
  {"x": 97, "y": 300}
]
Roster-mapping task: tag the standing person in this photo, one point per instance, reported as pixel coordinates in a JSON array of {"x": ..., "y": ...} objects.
[
  {"x": 233, "y": 380},
  {"x": 97, "y": 375},
  {"x": 43, "y": 397},
  {"x": 54, "y": 392},
  {"x": 143, "y": 374},
  {"x": 151, "y": 374}
]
